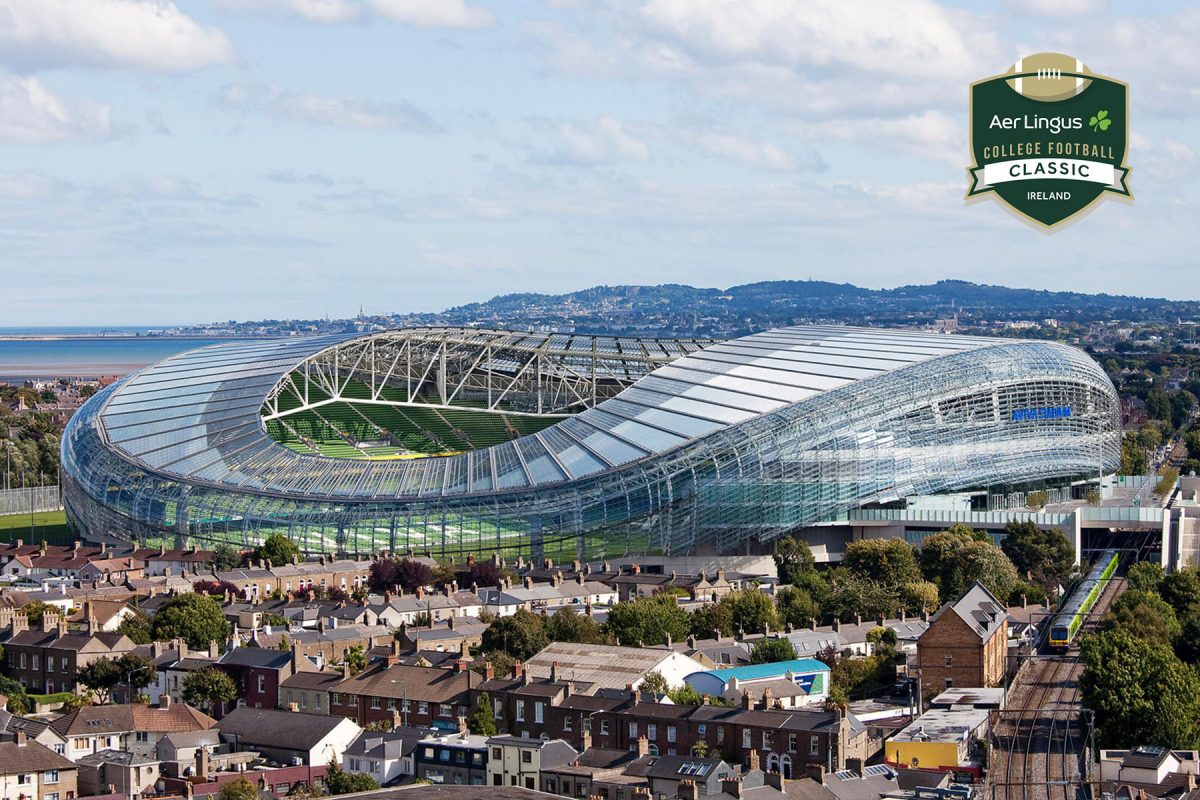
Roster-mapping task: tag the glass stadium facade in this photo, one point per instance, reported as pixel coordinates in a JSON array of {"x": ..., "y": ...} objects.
[{"x": 666, "y": 446}]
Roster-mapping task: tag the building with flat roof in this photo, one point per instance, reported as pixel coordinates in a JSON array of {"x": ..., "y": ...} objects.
[
  {"x": 801, "y": 681},
  {"x": 942, "y": 740}
]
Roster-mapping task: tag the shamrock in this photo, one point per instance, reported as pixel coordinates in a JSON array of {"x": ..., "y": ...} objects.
[{"x": 1100, "y": 121}]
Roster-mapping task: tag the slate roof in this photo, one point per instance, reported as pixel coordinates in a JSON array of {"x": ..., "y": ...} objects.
[
  {"x": 271, "y": 727},
  {"x": 29, "y": 757},
  {"x": 979, "y": 609},
  {"x": 602, "y": 665}
]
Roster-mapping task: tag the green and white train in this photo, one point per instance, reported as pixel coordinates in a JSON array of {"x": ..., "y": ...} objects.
[{"x": 1073, "y": 613}]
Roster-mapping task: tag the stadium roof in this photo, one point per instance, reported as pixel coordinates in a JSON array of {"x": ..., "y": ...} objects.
[{"x": 196, "y": 415}]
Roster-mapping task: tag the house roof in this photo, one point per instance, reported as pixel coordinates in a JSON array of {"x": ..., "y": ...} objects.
[
  {"x": 123, "y": 757},
  {"x": 602, "y": 665},
  {"x": 979, "y": 609},
  {"x": 29, "y": 757},
  {"x": 417, "y": 683},
  {"x": 394, "y": 744},
  {"x": 270, "y": 727},
  {"x": 754, "y": 672},
  {"x": 136, "y": 717},
  {"x": 256, "y": 657}
]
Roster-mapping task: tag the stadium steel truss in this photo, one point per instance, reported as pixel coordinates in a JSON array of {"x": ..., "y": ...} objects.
[{"x": 678, "y": 445}]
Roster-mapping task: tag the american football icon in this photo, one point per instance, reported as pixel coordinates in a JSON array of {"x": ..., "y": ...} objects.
[{"x": 1054, "y": 77}]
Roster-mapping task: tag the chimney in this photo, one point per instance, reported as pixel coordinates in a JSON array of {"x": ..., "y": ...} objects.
[
  {"x": 732, "y": 786},
  {"x": 904, "y": 615},
  {"x": 925, "y": 615},
  {"x": 528, "y": 582},
  {"x": 837, "y": 625},
  {"x": 345, "y": 670},
  {"x": 463, "y": 729},
  {"x": 201, "y": 762},
  {"x": 461, "y": 666},
  {"x": 667, "y": 638},
  {"x": 855, "y": 765},
  {"x": 20, "y": 738},
  {"x": 766, "y": 698},
  {"x": 586, "y": 739},
  {"x": 214, "y": 649},
  {"x": 554, "y": 672},
  {"x": 1024, "y": 600},
  {"x": 164, "y": 701},
  {"x": 643, "y": 746},
  {"x": 636, "y": 569},
  {"x": 489, "y": 672},
  {"x": 747, "y": 700},
  {"x": 816, "y": 772},
  {"x": 20, "y": 622},
  {"x": 294, "y": 708},
  {"x": 857, "y": 618},
  {"x": 687, "y": 790},
  {"x": 775, "y": 780}
]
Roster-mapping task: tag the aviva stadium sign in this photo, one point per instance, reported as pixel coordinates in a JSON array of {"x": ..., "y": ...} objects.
[
  {"x": 1047, "y": 412},
  {"x": 1049, "y": 139}
]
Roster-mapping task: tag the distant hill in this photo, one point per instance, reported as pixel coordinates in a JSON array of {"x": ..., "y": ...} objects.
[{"x": 676, "y": 308}]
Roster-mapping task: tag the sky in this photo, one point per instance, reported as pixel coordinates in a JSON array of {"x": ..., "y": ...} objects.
[{"x": 180, "y": 162}]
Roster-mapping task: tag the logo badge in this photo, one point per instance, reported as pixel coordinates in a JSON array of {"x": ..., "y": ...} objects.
[{"x": 1049, "y": 139}]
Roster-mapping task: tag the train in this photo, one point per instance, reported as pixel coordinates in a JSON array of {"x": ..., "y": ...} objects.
[{"x": 1070, "y": 618}]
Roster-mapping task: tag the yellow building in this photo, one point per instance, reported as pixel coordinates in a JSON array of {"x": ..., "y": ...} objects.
[{"x": 940, "y": 739}]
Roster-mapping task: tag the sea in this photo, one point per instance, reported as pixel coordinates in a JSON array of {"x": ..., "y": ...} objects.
[{"x": 87, "y": 352}]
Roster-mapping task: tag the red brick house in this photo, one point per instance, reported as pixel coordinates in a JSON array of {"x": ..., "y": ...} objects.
[{"x": 966, "y": 643}]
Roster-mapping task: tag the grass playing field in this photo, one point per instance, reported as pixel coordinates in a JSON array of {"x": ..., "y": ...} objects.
[{"x": 48, "y": 525}]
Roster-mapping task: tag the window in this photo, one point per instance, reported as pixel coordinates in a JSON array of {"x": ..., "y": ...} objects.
[
  {"x": 604, "y": 727},
  {"x": 262, "y": 683},
  {"x": 633, "y": 732},
  {"x": 290, "y": 699},
  {"x": 375, "y": 703},
  {"x": 391, "y": 705},
  {"x": 24, "y": 779},
  {"x": 498, "y": 706},
  {"x": 355, "y": 765},
  {"x": 496, "y": 754},
  {"x": 746, "y": 738},
  {"x": 22, "y": 661},
  {"x": 766, "y": 740},
  {"x": 335, "y": 699},
  {"x": 814, "y": 746},
  {"x": 791, "y": 742},
  {"x": 652, "y": 731},
  {"x": 949, "y": 659},
  {"x": 52, "y": 796},
  {"x": 446, "y": 710},
  {"x": 49, "y": 666},
  {"x": 37, "y": 661},
  {"x": 520, "y": 711},
  {"x": 567, "y": 724},
  {"x": 143, "y": 736},
  {"x": 317, "y": 701},
  {"x": 720, "y": 734},
  {"x": 422, "y": 708},
  {"x": 60, "y": 748},
  {"x": 670, "y": 733},
  {"x": 949, "y": 682},
  {"x": 538, "y": 716},
  {"x": 526, "y": 756},
  {"x": 701, "y": 730},
  {"x": 374, "y": 766},
  {"x": 64, "y": 663}
]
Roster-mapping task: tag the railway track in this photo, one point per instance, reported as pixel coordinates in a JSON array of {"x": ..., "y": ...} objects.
[{"x": 1039, "y": 741}]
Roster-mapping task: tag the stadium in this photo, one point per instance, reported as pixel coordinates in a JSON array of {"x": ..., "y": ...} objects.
[{"x": 456, "y": 441}]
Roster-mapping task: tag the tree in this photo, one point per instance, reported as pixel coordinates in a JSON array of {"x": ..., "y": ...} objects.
[
  {"x": 407, "y": 573},
  {"x": 195, "y": 618},
  {"x": 278, "y": 549},
  {"x": 207, "y": 688},
  {"x": 35, "y": 610},
  {"x": 136, "y": 627},
  {"x": 654, "y": 681},
  {"x": 853, "y": 594},
  {"x": 226, "y": 557},
  {"x": 1140, "y": 692},
  {"x": 1167, "y": 478},
  {"x": 18, "y": 700},
  {"x": 521, "y": 635},
  {"x": 355, "y": 659},
  {"x": 1044, "y": 556},
  {"x": 1146, "y": 576},
  {"x": 793, "y": 557},
  {"x": 796, "y": 606},
  {"x": 1181, "y": 590},
  {"x": 340, "y": 782},
  {"x": 485, "y": 573},
  {"x": 919, "y": 595},
  {"x": 647, "y": 620},
  {"x": 1145, "y": 615},
  {"x": 217, "y": 588},
  {"x": 711, "y": 619},
  {"x": 101, "y": 676},
  {"x": 892, "y": 562},
  {"x": 686, "y": 695},
  {"x": 750, "y": 610},
  {"x": 134, "y": 672},
  {"x": 769, "y": 651},
  {"x": 882, "y": 635},
  {"x": 1037, "y": 500},
  {"x": 1133, "y": 457},
  {"x": 240, "y": 789},
  {"x": 482, "y": 722},
  {"x": 568, "y": 625},
  {"x": 986, "y": 563}
]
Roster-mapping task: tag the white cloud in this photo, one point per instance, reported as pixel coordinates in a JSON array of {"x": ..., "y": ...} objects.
[
  {"x": 755, "y": 152},
  {"x": 605, "y": 140},
  {"x": 930, "y": 134},
  {"x": 1058, "y": 8},
  {"x": 140, "y": 34},
  {"x": 906, "y": 37},
  {"x": 323, "y": 110},
  {"x": 435, "y": 13},
  {"x": 417, "y": 13},
  {"x": 31, "y": 114}
]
